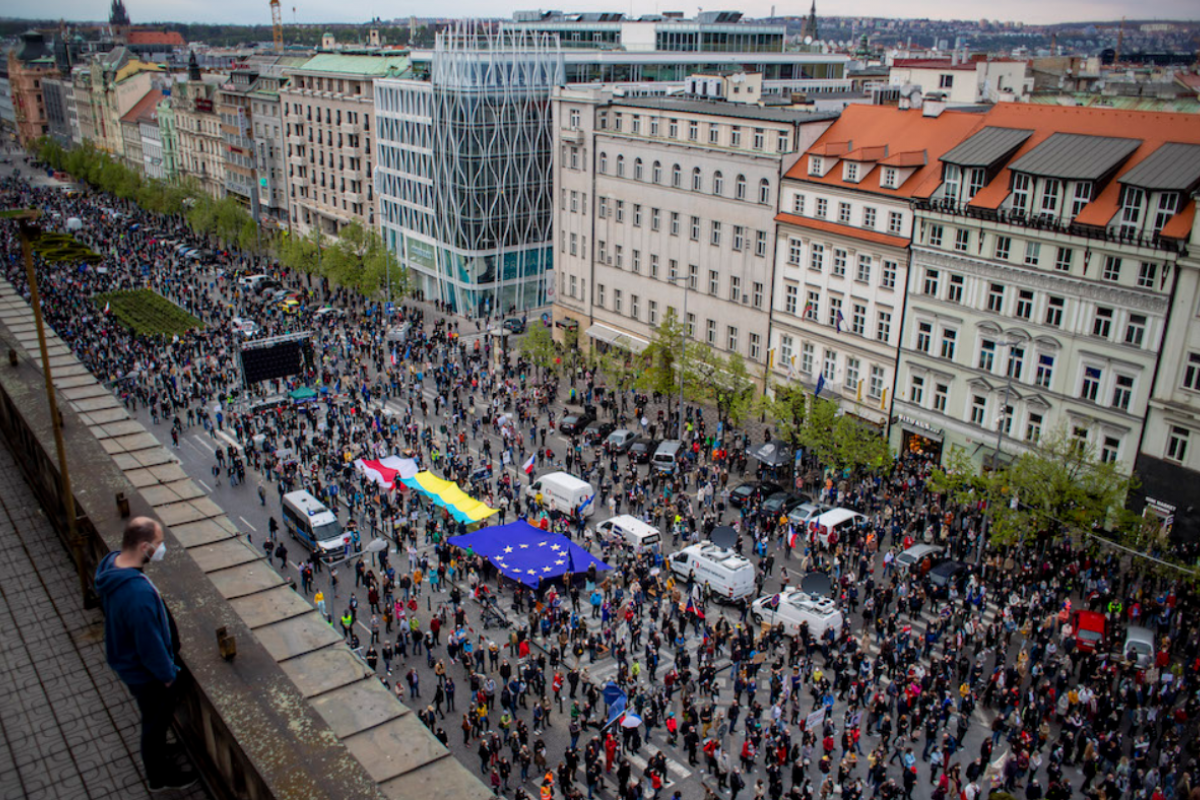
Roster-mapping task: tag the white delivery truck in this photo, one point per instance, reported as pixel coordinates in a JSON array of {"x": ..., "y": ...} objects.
[
  {"x": 834, "y": 525},
  {"x": 728, "y": 575},
  {"x": 564, "y": 493},
  {"x": 641, "y": 536},
  {"x": 794, "y": 608}
]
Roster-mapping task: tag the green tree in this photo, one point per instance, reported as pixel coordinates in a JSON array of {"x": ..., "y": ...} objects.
[
  {"x": 840, "y": 441},
  {"x": 788, "y": 409},
  {"x": 720, "y": 380},
  {"x": 659, "y": 375},
  {"x": 537, "y": 347}
]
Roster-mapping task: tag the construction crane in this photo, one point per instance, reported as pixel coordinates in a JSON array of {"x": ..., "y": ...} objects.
[{"x": 277, "y": 24}]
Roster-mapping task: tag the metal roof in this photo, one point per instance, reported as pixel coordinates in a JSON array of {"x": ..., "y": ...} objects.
[
  {"x": 1173, "y": 167},
  {"x": 987, "y": 147},
  {"x": 1076, "y": 156},
  {"x": 719, "y": 108}
]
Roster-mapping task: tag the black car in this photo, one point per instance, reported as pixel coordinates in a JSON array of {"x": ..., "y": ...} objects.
[
  {"x": 641, "y": 450},
  {"x": 782, "y": 503},
  {"x": 574, "y": 424},
  {"x": 756, "y": 490},
  {"x": 515, "y": 325},
  {"x": 597, "y": 432}
]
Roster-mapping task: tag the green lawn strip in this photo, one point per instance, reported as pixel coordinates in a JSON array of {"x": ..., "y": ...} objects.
[{"x": 147, "y": 313}]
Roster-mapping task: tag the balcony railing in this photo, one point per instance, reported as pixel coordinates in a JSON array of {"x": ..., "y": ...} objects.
[{"x": 1049, "y": 224}]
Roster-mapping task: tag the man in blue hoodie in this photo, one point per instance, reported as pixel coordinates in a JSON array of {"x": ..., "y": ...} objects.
[{"x": 142, "y": 644}]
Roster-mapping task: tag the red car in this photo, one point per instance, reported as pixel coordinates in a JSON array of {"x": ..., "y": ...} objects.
[{"x": 1090, "y": 630}]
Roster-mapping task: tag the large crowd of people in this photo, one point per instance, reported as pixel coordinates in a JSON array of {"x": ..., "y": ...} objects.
[{"x": 883, "y": 707}]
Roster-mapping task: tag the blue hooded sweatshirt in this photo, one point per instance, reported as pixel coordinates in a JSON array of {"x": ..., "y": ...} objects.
[{"x": 137, "y": 628}]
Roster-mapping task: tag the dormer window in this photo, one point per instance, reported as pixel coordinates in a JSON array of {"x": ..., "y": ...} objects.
[
  {"x": 1083, "y": 196},
  {"x": 1168, "y": 206},
  {"x": 1131, "y": 210},
  {"x": 852, "y": 172},
  {"x": 1051, "y": 190},
  {"x": 1020, "y": 193},
  {"x": 890, "y": 177},
  {"x": 816, "y": 166},
  {"x": 953, "y": 182},
  {"x": 975, "y": 180}
]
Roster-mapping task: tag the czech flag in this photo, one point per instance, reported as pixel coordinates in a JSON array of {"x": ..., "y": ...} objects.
[{"x": 528, "y": 466}]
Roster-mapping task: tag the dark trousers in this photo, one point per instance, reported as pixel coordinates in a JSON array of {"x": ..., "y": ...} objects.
[{"x": 157, "y": 704}]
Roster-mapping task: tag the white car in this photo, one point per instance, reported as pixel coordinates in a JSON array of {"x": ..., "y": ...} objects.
[
  {"x": 795, "y": 608},
  {"x": 251, "y": 281},
  {"x": 247, "y": 327}
]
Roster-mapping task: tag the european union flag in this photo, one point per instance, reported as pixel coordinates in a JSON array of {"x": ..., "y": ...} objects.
[
  {"x": 820, "y": 385},
  {"x": 527, "y": 554}
]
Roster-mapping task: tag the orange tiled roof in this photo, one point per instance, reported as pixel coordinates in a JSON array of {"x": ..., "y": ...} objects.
[
  {"x": 829, "y": 148},
  {"x": 1152, "y": 128},
  {"x": 904, "y": 132},
  {"x": 845, "y": 230},
  {"x": 867, "y": 153},
  {"x": 1180, "y": 225},
  {"x": 143, "y": 106},
  {"x": 165, "y": 38},
  {"x": 913, "y": 158}
]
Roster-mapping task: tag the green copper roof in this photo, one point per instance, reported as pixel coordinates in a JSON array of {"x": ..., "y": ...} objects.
[{"x": 365, "y": 66}]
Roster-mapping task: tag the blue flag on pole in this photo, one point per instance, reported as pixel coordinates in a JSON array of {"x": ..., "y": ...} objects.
[{"x": 820, "y": 384}]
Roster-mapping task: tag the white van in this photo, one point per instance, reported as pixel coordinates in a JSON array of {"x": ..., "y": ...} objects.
[
  {"x": 640, "y": 535},
  {"x": 728, "y": 575},
  {"x": 666, "y": 457},
  {"x": 796, "y": 608},
  {"x": 314, "y": 525},
  {"x": 564, "y": 493},
  {"x": 832, "y": 526}
]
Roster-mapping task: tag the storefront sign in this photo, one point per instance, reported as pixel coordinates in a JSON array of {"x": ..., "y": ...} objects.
[{"x": 919, "y": 425}]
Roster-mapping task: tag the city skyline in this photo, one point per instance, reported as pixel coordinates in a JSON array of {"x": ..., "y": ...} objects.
[{"x": 330, "y": 11}]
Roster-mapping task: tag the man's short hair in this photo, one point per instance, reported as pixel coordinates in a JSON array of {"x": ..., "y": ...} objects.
[{"x": 139, "y": 529}]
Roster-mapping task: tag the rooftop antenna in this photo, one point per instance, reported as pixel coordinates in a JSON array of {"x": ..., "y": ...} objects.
[{"x": 1120, "y": 42}]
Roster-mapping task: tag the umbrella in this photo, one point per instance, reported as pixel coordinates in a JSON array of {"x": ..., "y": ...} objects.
[
  {"x": 723, "y": 537},
  {"x": 376, "y": 545},
  {"x": 817, "y": 583},
  {"x": 773, "y": 454},
  {"x": 631, "y": 720}
]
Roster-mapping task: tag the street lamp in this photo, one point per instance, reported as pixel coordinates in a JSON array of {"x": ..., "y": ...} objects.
[
  {"x": 685, "y": 281},
  {"x": 999, "y": 434}
]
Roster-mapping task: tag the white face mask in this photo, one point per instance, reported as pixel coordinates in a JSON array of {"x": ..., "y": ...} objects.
[{"x": 159, "y": 552}]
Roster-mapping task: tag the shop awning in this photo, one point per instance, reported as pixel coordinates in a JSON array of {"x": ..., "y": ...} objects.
[{"x": 616, "y": 338}]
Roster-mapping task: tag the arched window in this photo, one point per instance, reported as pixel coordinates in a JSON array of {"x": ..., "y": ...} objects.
[
  {"x": 696, "y": 179},
  {"x": 604, "y": 163},
  {"x": 718, "y": 183},
  {"x": 637, "y": 169},
  {"x": 620, "y": 166},
  {"x": 676, "y": 176},
  {"x": 656, "y": 173},
  {"x": 739, "y": 189},
  {"x": 764, "y": 192}
]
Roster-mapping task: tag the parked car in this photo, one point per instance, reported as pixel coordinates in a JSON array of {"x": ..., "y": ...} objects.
[
  {"x": 641, "y": 450},
  {"x": 597, "y": 432},
  {"x": 782, "y": 503},
  {"x": 619, "y": 441},
  {"x": 574, "y": 424},
  {"x": 752, "y": 490},
  {"x": 515, "y": 325},
  {"x": 1090, "y": 629},
  {"x": 1139, "y": 646},
  {"x": 920, "y": 556},
  {"x": 807, "y": 512}
]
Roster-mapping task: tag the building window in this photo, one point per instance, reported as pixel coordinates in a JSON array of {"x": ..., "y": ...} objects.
[
  {"x": 889, "y": 177},
  {"x": 844, "y": 213},
  {"x": 764, "y": 192},
  {"x": 875, "y": 388},
  {"x": 1045, "y": 370},
  {"x": 869, "y": 218},
  {"x": 1020, "y": 193},
  {"x": 1091, "y": 383},
  {"x": 735, "y": 289},
  {"x": 951, "y": 183},
  {"x": 715, "y": 234},
  {"x": 674, "y": 223},
  {"x": 1083, "y": 196},
  {"x": 599, "y": 293},
  {"x": 1063, "y": 259},
  {"x": 962, "y": 240},
  {"x": 673, "y": 129},
  {"x": 1050, "y": 193},
  {"x": 787, "y": 350},
  {"x": 757, "y": 296},
  {"x": 620, "y": 211},
  {"x": 978, "y": 409},
  {"x": 693, "y": 276},
  {"x": 633, "y": 306},
  {"x": 949, "y": 340},
  {"x": 617, "y": 300},
  {"x": 1135, "y": 330},
  {"x": 620, "y": 166},
  {"x": 637, "y": 169},
  {"x": 883, "y": 326},
  {"x": 1122, "y": 392},
  {"x": 829, "y": 370},
  {"x": 656, "y": 173},
  {"x": 739, "y": 238},
  {"x": 1112, "y": 268},
  {"x": 1110, "y": 449},
  {"x": 1033, "y": 253},
  {"x": 936, "y": 232},
  {"x": 941, "y": 393},
  {"x": 987, "y": 355},
  {"x": 798, "y": 204},
  {"x": 931, "y": 282},
  {"x": 1191, "y": 373},
  {"x": 1102, "y": 324},
  {"x": 822, "y": 208},
  {"x": 782, "y": 141},
  {"x": 853, "y": 370},
  {"x": 863, "y": 275},
  {"x": 1168, "y": 206},
  {"x": 1024, "y": 304},
  {"x": 1003, "y": 247},
  {"x": 812, "y": 309},
  {"x": 696, "y": 180},
  {"x": 739, "y": 188},
  {"x": 839, "y": 263},
  {"x": 755, "y": 347},
  {"x": 760, "y": 244},
  {"x": 835, "y": 311},
  {"x": 655, "y": 219},
  {"x": 636, "y": 263},
  {"x": 816, "y": 257},
  {"x": 975, "y": 181},
  {"x": 1054, "y": 311},
  {"x": 945, "y": 81},
  {"x": 791, "y": 294},
  {"x": 603, "y": 163},
  {"x": 695, "y": 229},
  {"x": 693, "y": 130},
  {"x": 795, "y": 251},
  {"x": 654, "y": 265},
  {"x": 1016, "y": 362},
  {"x": 916, "y": 390},
  {"x": 995, "y": 301},
  {"x": 888, "y": 278},
  {"x": 1147, "y": 273},
  {"x": 1131, "y": 210},
  {"x": 714, "y": 133},
  {"x": 1177, "y": 443},
  {"x": 924, "y": 336},
  {"x": 718, "y": 183},
  {"x": 652, "y": 311},
  {"x": 711, "y": 332},
  {"x": 676, "y": 177},
  {"x": 619, "y": 255},
  {"x": 815, "y": 165},
  {"x": 1033, "y": 427},
  {"x": 807, "y": 353},
  {"x": 895, "y": 222},
  {"x": 637, "y": 215},
  {"x": 858, "y": 322}
]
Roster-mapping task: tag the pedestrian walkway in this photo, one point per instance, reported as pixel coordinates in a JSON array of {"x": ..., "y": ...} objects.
[{"x": 68, "y": 727}]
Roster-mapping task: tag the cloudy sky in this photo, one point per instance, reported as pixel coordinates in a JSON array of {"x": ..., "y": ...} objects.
[{"x": 312, "y": 11}]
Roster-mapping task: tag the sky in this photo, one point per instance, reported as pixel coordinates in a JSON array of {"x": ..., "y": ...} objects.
[{"x": 314, "y": 11}]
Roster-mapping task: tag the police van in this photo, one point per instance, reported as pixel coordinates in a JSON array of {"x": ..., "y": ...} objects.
[
  {"x": 313, "y": 525},
  {"x": 641, "y": 536},
  {"x": 728, "y": 575}
]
